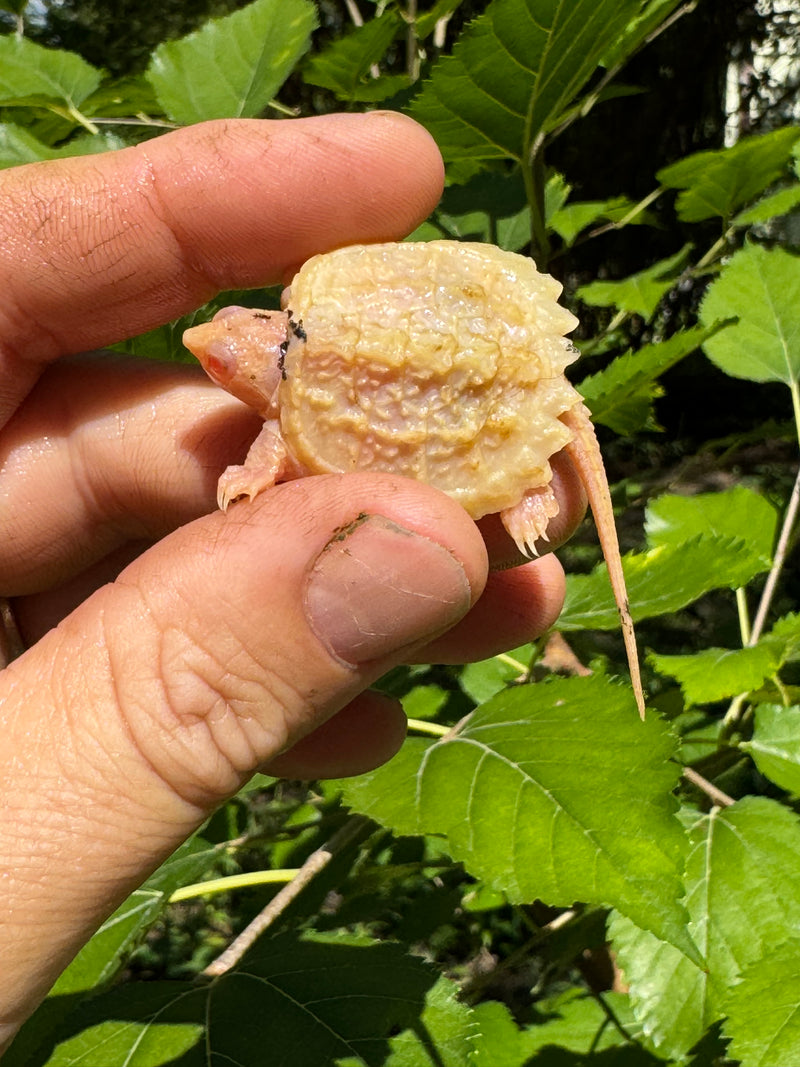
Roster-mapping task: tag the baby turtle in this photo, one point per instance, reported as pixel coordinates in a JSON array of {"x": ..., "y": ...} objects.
[{"x": 442, "y": 361}]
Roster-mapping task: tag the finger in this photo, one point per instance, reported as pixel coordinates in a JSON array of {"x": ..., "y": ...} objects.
[
  {"x": 112, "y": 450},
  {"x": 134, "y": 238},
  {"x": 211, "y": 654},
  {"x": 362, "y": 736},
  {"x": 517, "y": 606},
  {"x": 109, "y": 450},
  {"x": 571, "y": 498}
]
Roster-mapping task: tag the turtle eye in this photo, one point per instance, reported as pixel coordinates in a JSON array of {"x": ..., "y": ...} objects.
[{"x": 219, "y": 363}]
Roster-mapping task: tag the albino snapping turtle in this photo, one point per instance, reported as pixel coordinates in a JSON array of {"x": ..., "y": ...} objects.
[{"x": 442, "y": 361}]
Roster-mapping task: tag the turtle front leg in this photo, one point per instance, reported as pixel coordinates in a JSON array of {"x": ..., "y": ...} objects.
[{"x": 267, "y": 462}]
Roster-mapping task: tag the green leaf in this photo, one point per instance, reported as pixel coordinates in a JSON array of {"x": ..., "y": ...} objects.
[
  {"x": 639, "y": 293},
  {"x": 742, "y": 894},
  {"x": 490, "y": 207},
  {"x": 716, "y": 183},
  {"x": 775, "y": 745},
  {"x": 512, "y": 73},
  {"x": 573, "y": 1020},
  {"x": 28, "y": 69},
  {"x": 426, "y": 20},
  {"x": 124, "y": 97},
  {"x": 621, "y": 396},
  {"x": 660, "y": 581},
  {"x": 484, "y": 679},
  {"x": 106, "y": 953},
  {"x": 785, "y": 636},
  {"x": 444, "y": 1037},
  {"x": 232, "y": 67},
  {"x": 16, "y": 7},
  {"x": 570, "y": 220},
  {"x": 764, "y": 1011},
  {"x": 500, "y": 1042},
  {"x": 742, "y": 513},
  {"x": 760, "y": 287},
  {"x": 309, "y": 1000},
  {"x": 515, "y": 794},
  {"x": 18, "y": 146},
  {"x": 344, "y": 64},
  {"x": 424, "y": 701},
  {"x": 780, "y": 203},
  {"x": 716, "y": 673}
]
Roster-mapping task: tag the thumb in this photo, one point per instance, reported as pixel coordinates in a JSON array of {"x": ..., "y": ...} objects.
[
  {"x": 274, "y": 617},
  {"x": 214, "y": 652}
]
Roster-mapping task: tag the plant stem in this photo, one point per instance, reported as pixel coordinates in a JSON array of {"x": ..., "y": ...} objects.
[
  {"x": 433, "y": 729},
  {"x": 744, "y": 615},
  {"x": 233, "y": 881},
  {"x": 352, "y": 831},
  {"x": 777, "y": 563},
  {"x": 503, "y": 657},
  {"x": 412, "y": 55},
  {"x": 722, "y": 800},
  {"x": 534, "y": 178}
]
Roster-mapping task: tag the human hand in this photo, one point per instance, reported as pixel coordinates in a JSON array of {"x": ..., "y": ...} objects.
[{"x": 175, "y": 650}]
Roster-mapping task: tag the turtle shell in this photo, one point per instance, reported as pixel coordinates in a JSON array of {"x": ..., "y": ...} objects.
[{"x": 442, "y": 361}]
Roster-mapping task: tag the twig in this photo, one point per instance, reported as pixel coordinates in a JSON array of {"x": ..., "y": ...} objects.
[
  {"x": 777, "y": 564},
  {"x": 356, "y": 827},
  {"x": 412, "y": 57},
  {"x": 721, "y": 799},
  {"x": 353, "y": 12}
]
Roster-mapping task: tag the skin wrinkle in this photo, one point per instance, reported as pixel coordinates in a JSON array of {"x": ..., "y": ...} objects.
[
  {"x": 125, "y": 713},
  {"x": 186, "y": 262},
  {"x": 193, "y": 727}
]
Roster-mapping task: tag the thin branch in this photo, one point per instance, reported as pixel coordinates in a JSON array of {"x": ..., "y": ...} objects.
[
  {"x": 722, "y": 800},
  {"x": 355, "y": 828},
  {"x": 777, "y": 564},
  {"x": 412, "y": 50},
  {"x": 353, "y": 12}
]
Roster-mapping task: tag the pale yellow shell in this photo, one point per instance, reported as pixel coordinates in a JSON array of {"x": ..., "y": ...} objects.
[{"x": 440, "y": 361}]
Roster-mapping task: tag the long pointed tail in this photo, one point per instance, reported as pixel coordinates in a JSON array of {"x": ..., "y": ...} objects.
[{"x": 584, "y": 451}]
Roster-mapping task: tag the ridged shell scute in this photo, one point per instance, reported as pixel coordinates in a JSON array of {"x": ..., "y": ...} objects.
[{"x": 443, "y": 361}]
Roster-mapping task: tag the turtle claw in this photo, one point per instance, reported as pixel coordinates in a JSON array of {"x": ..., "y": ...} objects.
[
  {"x": 526, "y": 522},
  {"x": 242, "y": 481}
]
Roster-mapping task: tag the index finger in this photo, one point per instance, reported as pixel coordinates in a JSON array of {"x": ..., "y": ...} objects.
[{"x": 97, "y": 248}]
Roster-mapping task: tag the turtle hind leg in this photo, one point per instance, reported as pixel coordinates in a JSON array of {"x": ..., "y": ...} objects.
[
  {"x": 527, "y": 521},
  {"x": 584, "y": 451}
]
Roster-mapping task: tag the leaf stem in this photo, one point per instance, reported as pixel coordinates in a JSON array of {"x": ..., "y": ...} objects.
[
  {"x": 233, "y": 881},
  {"x": 81, "y": 119},
  {"x": 433, "y": 729},
  {"x": 354, "y": 830},
  {"x": 503, "y": 657},
  {"x": 744, "y": 615},
  {"x": 534, "y": 178},
  {"x": 612, "y": 1018}
]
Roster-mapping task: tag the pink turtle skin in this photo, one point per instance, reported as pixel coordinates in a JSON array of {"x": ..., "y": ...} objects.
[{"x": 244, "y": 351}]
